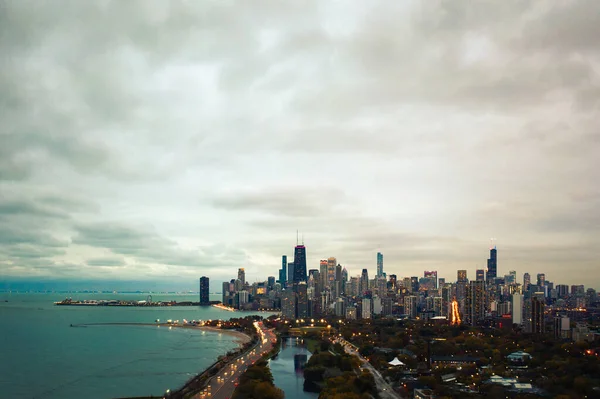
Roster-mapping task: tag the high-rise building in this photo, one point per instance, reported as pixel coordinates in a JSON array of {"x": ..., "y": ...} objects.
[
  {"x": 367, "y": 307},
  {"x": 288, "y": 304},
  {"x": 270, "y": 282},
  {"x": 479, "y": 275},
  {"x": 242, "y": 275},
  {"x": 299, "y": 264},
  {"x": 290, "y": 273},
  {"x": 475, "y": 302},
  {"x": 410, "y": 306},
  {"x": 393, "y": 282},
  {"x": 537, "y": 316},
  {"x": 414, "y": 284},
  {"x": 283, "y": 271},
  {"x": 461, "y": 275},
  {"x": 432, "y": 275},
  {"x": 364, "y": 282},
  {"x": 379, "y": 264},
  {"x": 526, "y": 281},
  {"x": 541, "y": 280},
  {"x": 492, "y": 266},
  {"x": 302, "y": 301},
  {"x": 323, "y": 272},
  {"x": 517, "y": 309},
  {"x": 354, "y": 289},
  {"x": 331, "y": 264},
  {"x": 204, "y": 289}
]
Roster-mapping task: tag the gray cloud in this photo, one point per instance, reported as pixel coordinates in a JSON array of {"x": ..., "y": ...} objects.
[{"x": 179, "y": 139}]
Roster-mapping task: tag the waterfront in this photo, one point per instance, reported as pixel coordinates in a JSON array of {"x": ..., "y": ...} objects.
[
  {"x": 287, "y": 369},
  {"x": 102, "y": 361}
]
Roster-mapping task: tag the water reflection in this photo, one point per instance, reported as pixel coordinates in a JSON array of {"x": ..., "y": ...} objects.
[{"x": 287, "y": 369}]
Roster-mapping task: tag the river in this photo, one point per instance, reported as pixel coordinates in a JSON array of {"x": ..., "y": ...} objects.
[{"x": 287, "y": 369}]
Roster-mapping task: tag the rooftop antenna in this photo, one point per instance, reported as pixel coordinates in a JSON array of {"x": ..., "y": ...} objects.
[{"x": 296, "y": 236}]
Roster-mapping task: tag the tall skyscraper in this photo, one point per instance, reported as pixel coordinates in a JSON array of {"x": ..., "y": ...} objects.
[
  {"x": 299, "y": 264},
  {"x": 410, "y": 306},
  {"x": 283, "y": 271},
  {"x": 492, "y": 266},
  {"x": 364, "y": 282},
  {"x": 204, "y": 289},
  {"x": 331, "y": 264},
  {"x": 302, "y": 300},
  {"x": 225, "y": 292},
  {"x": 379, "y": 264},
  {"x": 537, "y": 316},
  {"x": 480, "y": 275},
  {"x": 323, "y": 273},
  {"x": 393, "y": 282},
  {"x": 242, "y": 275},
  {"x": 526, "y": 282},
  {"x": 290, "y": 273},
  {"x": 432, "y": 276},
  {"x": 475, "y": 302},
  {"x": 517, "y": 309}
]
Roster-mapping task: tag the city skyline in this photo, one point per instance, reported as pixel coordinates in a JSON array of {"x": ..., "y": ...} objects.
[{"x": 193, "y": 139}]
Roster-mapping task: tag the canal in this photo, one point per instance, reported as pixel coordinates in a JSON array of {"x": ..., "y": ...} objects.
[{"x": 287, "y": 369}]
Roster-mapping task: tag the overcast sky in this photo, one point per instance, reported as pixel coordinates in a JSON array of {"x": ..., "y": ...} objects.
[{"x": 163, "y": 141}]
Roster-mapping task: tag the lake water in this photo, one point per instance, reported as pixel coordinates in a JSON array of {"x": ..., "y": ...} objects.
[
  {"x": 287, "y": 369},
  {"x": 42, "y": 356}
]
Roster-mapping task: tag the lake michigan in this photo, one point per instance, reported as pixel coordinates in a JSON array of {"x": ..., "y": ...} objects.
[{"x": 43, "y": 356}]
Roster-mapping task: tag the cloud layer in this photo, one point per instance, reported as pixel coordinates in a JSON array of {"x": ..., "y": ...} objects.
[{"x": 168, "y": 141}]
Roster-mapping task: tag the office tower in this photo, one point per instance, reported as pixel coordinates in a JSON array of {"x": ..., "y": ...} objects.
[
  {"x": 446, "y": 300},
  {"x": 377, "y": 305},
  {"x": 354, "y": 286},
  {"x": 302, "y": 301},
  {"x": 225, "y": 293},
  {"x": 461, "y": 275},
  {"x": 239, "y": 285},
  {"x": 526, "y": 282},
  {"x": 379, "y": 264},
  {"x": 410, "y": 306},
  {"x": 299, "y": 264},
  {"x": 242, "y": 275},
  {"x": 270, "y": 282},
  {"x": 479, "y": 275},
  {"x": 517, "y": 309},
  {"x": 475, "y": 302},
  {"x": 338, "y": 273},
  {"x": 381, "y": 285},
  {"x": 323, "y": 273},
  {"x": 537, "y": 316},
  {"x": 351, "y": 312},
  {"x": 288, "y": 304},
  {"x": 492, "y": 264},
  {"x": 432, "y": 275},
  {"x": 441, "y": 282},
  {"x": 331, "y": 264},
  {"x": 461, "y": 288},
  {"x": 283, "y": 271},
  {"x": 290, "y": 273},
  {"x": 242, "y": 298},
  {"x": 364, "y": 282},
  {"x": 344, "y": 280},
  {"x": 366, "y": 307},
  {"x": 414, "y": 284},
  {"x": 512, "y": 277},
  {"x": 204, "y": 289},
  {"x": 393, "y": 282},
  {"x": 541, "y": 280},
  {"x": 562, "y": 291}
]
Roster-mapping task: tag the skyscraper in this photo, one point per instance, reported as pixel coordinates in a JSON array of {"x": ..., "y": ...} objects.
[
  {"x": 331, "y": 264},
  {"x": 537, "y": 316},
  {"x": 323, "y": 273},
  {"x": 475, "y": 302},
  {"x": 526, "y": 282},
  {"x": 379, "y": 264},
  {"x": 204, "y": 289},
  {"x": 480, "y": 275},
  {"x": 299, "y": 264},
  {"x": 364, "y": 282},
  {"x": 242, "y": 275},
  {"x": 541, "y": 279},
  {"x": 492, "y": 266},
  {"x": 290, "y": 273},
  {"x": 283, "y": 271}
]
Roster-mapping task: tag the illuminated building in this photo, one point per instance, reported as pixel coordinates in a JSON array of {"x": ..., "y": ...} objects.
[
  {"x": 299, "y": 264},
  {"x": 480, "y": 275},
  {"x": 492, "y": 266},
  {"x": 242, "y": 275},
  {"x": 379, "y": 264},
  {"x": 410, "y": 306}
]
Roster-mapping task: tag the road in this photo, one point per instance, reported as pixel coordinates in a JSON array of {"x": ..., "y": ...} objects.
[
  {"x": 222, "y": 385},
  {"x": 384, "y": 389}
]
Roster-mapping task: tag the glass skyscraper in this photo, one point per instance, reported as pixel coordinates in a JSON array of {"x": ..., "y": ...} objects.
[
  {"x": 492, "y": 266},
  {"x": 299, "y": 264},
  {"x": 379, "y": 264}
]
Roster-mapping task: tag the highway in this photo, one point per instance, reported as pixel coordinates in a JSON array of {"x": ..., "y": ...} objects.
[
  {"x": 222, "y": 385},
  {"x": 384, "y": 389}
]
